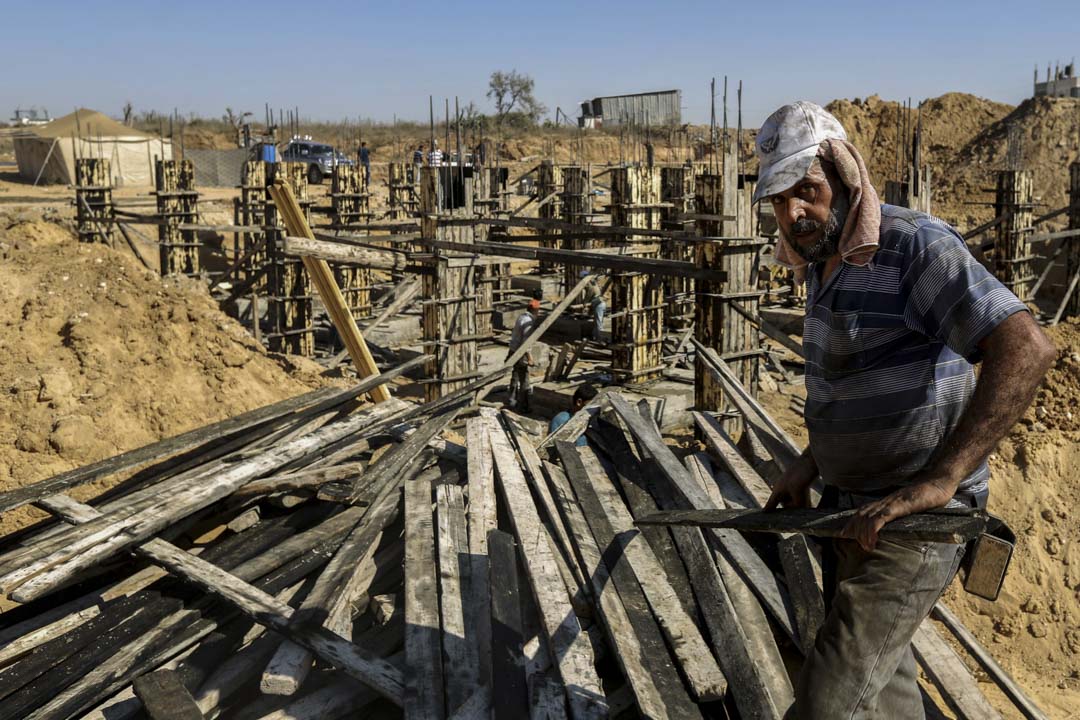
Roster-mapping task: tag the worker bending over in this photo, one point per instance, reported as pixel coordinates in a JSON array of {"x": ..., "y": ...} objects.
[
  {"x": 897, "y": 313},
  {"x": 582, "y": 397}
]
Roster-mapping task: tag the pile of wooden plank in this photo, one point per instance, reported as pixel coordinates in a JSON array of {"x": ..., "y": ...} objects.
[{"x": 322, "y": 558}]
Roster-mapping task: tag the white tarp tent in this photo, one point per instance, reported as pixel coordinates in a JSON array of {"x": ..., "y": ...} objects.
[{"x": 46, "y": 154}]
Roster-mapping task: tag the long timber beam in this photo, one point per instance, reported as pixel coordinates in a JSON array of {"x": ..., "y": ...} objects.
[{"x": 623, "y": 263}]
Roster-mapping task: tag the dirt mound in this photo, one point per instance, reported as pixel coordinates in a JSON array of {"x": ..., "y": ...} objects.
[
  {"x": 949, "y": 123},
  {"x": 1047, "y": 131},
  {"x": 98, "y": 355},
  {"x": 965, "y": 142}
]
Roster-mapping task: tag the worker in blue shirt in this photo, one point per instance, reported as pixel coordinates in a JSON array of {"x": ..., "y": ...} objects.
[{"x": 582, "y": 397}]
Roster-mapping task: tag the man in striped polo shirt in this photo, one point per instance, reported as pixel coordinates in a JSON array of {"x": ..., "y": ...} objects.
[{"x": 897, "y": 313}]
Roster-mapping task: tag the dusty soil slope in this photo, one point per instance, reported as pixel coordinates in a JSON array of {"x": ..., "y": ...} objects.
[
  {"x": 1034, "y": 627},
  {"x": 965, "y": 142},
  {"x": 97, "y": 355}
]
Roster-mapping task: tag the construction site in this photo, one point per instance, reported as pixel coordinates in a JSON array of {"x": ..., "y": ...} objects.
[{"x": 262, "y": 456}]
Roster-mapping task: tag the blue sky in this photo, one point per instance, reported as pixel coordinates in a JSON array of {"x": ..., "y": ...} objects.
[{"x": 340, "y": 60}]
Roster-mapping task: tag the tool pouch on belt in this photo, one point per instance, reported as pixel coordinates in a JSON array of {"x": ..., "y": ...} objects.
[{"x": 986, "y": 559}]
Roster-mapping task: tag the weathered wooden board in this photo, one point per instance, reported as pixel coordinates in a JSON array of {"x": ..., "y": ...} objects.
[
  {"x": 482, "y": 520},
  {"x": 168, "y": 447},
  {"x": 509, "y": 699},
  {"x": 666, "y": 687},
  {"x": 460, "y": 661},
  {"x": 757, "y": 574},
  {"x": 569, "y": 644},
  {"x": 423, "y": 652},
  {"x": 689, "y": 647},
  {"x": 164, "y": 697}
]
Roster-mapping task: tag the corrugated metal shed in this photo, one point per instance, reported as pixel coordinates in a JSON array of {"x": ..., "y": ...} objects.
[{"x": 654, "y": 108}]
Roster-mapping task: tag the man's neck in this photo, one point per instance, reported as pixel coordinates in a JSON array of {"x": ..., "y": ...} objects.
[{"x": 830, "y": 266}]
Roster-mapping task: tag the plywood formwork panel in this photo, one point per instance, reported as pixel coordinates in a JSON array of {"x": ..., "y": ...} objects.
[
  {"x": 1013, "y": 261},
  {"x": 549, "y": 181},
  {"x": 289, "y": 286},
  {"x": 349, "y": 201},
  {"x": 717, "y": 324},
  {"x": 677, "y": 190},
  {"x": 404, "y": 198},
  {"x": 251, "y": 212},
  {"x": 577, "y": 208},
  {"x": 177, "y": 204},
  {"x": 94, "y": 213},
  {"x": 637, "y": 300},
  {"x": 493, "y": 280},
  {"x": 451, "y": 302}
]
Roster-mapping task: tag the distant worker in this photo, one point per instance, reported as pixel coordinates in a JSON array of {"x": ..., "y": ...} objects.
[
  {"x": 365, "y": 160},
  {"x": 582, "y": 397},
  {"x": 595, "y": 299},
  {"x": 418, "y": 155},
  {"x": 435, "y": 157},
  {"x": 519, "y": 380}
]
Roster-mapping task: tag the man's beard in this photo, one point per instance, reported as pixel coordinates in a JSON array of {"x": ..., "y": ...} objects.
[{"x": 829, "y": 242}]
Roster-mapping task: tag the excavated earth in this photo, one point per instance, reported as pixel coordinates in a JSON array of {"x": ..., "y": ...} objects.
[{"x": 99, "y": 355}]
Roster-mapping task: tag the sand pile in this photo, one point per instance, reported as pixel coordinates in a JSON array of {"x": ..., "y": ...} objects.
[
  {"x": 1048, "y": 135},
  {"x": 1034, "y": 627},
  {"x": 97, "y": 355},
  {"x": 965, "y": 142}
]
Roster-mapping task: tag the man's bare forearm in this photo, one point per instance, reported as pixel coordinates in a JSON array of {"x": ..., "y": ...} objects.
[{"x": 1017, "y": 355}]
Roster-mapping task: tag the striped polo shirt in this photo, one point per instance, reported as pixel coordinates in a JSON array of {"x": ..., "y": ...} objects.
[{"x": 889, "y": 351}]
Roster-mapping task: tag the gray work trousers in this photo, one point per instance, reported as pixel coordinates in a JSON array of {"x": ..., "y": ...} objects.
[
  {"x": 598, "y": 307},
  {"x": 861, "y": 665},
  {"x": 519, "y": 386}
]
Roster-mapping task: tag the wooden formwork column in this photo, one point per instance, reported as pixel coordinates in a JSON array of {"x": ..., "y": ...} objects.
[
  {"x": 677, "y": 190},
  {"x": 1012, "y": 255},
  {"x": 549, "y": 182},
  {"x": 95, "y": 216},
  {"x": 349, "y": 201},
  {"x": 637, "y": 300},
  {"x": 289, "y": 287},
  {"x": 177, "y": 204},
  {"x": 492, "y": 280},
  {"x": 404, "y": 189},
  {"x": 709, "y": 311},
  {"x": 449, "y": 306},
  {"x": 717, "y": 324},
  {"x": 1072, "y": 257},
  {"x": 577, "y": 208},
  {"x": 253, "y": 213},
  {"x": 741, "y": 337}
]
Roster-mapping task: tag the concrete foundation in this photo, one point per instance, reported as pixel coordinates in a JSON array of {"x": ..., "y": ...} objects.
[{"x": 549, "y": 283}]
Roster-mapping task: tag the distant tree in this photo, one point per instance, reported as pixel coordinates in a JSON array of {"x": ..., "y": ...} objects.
[
  {"x": 129, "y": 113},
  {"x": 513, "y": 91}
]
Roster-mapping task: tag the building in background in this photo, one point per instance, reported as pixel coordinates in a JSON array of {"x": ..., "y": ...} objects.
[
  {"x": 31, "y": 116},
  {"x": 663, "y": 107},
  {"x": 1063, "y": 83}
]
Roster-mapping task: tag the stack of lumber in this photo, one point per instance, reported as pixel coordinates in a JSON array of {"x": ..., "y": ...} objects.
[{"x": 325, "y": 558}]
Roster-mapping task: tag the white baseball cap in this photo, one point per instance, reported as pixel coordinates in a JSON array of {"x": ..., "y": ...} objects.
[{"x": 788, "y": 143}]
